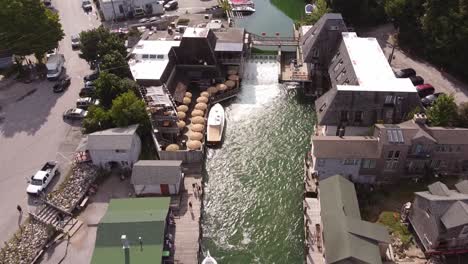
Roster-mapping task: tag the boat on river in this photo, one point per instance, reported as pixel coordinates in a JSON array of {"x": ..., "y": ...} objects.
[
  {"x": 247, "y": 10},
  {"x": 215, "y": 128}
]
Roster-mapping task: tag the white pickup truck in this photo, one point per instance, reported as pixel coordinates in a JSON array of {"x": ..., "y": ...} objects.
[{"x": 42, "y": 178}]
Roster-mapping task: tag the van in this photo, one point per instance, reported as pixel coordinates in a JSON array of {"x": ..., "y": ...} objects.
[
  {"x": 54, "y": 66},
  {"x": 172, "y": 5}
]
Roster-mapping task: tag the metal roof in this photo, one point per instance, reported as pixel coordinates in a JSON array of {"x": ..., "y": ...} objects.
[
  {"x": 223, "y": 46},
  {"x": 438, "y": 188},
  {"x": 134, "y": 217},
  {"x": 113, "y": 138},
  {"x": 156, "y": 172},
  {"x": 346, "y": 236},
  {"x": 462, "y": 186}
]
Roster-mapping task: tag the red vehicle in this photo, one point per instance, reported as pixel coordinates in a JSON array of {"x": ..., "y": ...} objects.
[{"x": 425, "y": 89}]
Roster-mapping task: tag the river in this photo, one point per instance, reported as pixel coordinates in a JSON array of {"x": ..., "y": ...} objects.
[{"x": 253, "y": 184}]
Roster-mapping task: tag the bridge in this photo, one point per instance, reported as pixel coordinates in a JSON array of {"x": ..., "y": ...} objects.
[{"x": 258, "y": 40}]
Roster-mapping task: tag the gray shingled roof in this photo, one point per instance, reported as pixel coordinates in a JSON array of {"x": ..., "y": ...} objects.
[
  {"x": 147, "y": 172},
  {"x": 113, "y": 138},
  {"x": 449, "y": 135},
  {"x": 438, "y": 188},
  {"x": 346, "y": 236},
  {"x": 345, "y": 147},
  {"x": 456, "y": 215}
]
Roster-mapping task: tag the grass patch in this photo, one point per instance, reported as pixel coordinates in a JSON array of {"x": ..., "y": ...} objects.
[{"x": 392, "y": 221}]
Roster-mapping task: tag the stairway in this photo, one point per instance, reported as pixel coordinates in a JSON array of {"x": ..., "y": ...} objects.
[{"x": 48, "y": 215}]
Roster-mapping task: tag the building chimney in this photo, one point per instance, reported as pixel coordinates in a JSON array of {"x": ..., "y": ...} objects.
[
  {"x": 420, "y": 118},
  {"x": 125, "y": 244}
]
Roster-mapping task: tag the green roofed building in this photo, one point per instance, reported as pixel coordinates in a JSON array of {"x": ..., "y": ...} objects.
[
  {"x": 134, "y": 218},
  {"x": 347, "y": 238}
]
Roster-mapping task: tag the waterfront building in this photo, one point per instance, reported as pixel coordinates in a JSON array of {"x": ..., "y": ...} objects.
[
  {"x": 391, "y": 151},
  {"x": 157, "y": 177},
  {"x": 134, "y": 229},
  {"x": 119, "y": 146},
  {"x": 439, "y": 218},
  {"x": 120, "y": 9},
  {"x": 346, "y": 237},
  {"x": 364, "y": 90}
]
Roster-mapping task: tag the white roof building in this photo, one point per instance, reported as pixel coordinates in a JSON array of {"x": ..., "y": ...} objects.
[{"x": 150, "y": 58}]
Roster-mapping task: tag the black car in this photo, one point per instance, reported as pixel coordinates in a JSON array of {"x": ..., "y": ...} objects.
[
  {"x": 61, "y": 85},
  {"x": 416, "y": 80},
  {"x": 87, "y": 92},
  {"x": 91, "y": 77},
  {"x": 405, "y": 73}
]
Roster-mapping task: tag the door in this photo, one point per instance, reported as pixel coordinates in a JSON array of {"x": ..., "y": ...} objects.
[{"x": 165, "y": 189}]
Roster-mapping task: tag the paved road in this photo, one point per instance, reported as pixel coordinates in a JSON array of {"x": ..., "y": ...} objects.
[
  {"x": 33, "y": 131},
  {"x": 442, "y": 81}
]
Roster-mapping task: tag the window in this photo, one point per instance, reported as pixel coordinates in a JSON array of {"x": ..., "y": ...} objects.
[
  {"x": 322, "y": 107},
  {"x": 152, "y": 56},
  {"x": 315, "y": 53},
  {"x": 358, "y": 116},
  {"x": 428, "y": 212},
  {"x": 335, "y": 57},
  {"x": 350, "y": 162},
  {"x": 396, "y": 155},
  {"x": 390, "y": 154},
  {"x": 344, "y": 115},
  {"x": 160, "y": 57},
  {"x": 390, "y": 99},
  {"x": 145, "y": 56},
  {"x": 391, "y": 165},
  {"x": 418, "y": 149},
  {"x": 120, "y": 151},
  {"x": 121, "y": 10},
  {"x": 346, "y": 82},
  {"x": 368, "y": 164},
  {"x": 341, "y": 75},
  {"x": 338, "y": 65}
]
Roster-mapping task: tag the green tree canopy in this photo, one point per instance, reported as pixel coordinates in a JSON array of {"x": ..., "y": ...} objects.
[
  {"x": 108, "y": 87},
  {"x": 463, "y": 115},
  {"x": 97, "y": 119},
  {"x": 113, "y": 62},
  {"x": 444, "y": 111},
  {"x": 96, "y": 43},
  {"x": 27, "y": 27},
  {"x": 128, "y": 109},
  {"x": 321, "y": 8}
]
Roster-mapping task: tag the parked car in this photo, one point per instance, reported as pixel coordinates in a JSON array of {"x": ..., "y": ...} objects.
[
  {"x": 416, "y": 80},
  {"x": 62, "y": 84},
  {"x": 143, "y": 20},
  {"x": 86, "y": 5},
  {"x": 75, "y": 41},
  {"x": 75, "y": 114},
  {"x": 425, "y": 89},
  {"x": 153, "y": 19},
  {"x": 87, "y": 91},
  {"x": 42, "y": 178},
  {"x": 405, "y": 73},
  {"x": 51, "y": 52},
  {"x": 430, "y": 99},
  {"x": 91, "y": 77},
  {"x": 47, "y": 3},
  {"x": 55, "y": 66},
  {"x": 86, "y": 102},
  {"x": 89, "y": 84},
  {"x": 172, "y": 5}
]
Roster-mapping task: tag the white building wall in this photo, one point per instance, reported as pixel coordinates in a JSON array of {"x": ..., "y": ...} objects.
[
  {"x": 108, "y": 8},
  {"x": 103, "y": 157}
]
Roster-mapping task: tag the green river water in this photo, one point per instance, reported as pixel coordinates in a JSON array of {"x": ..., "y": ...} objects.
[{"x": 254, "y": 183}]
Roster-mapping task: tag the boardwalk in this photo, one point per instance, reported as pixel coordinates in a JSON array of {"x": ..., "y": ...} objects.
[
  {"x": 258, "y": 40},
  {"x": 187, "y": 233}
]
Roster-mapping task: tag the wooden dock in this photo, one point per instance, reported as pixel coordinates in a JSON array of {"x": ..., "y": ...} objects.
[{"x": 187, "y": 234}]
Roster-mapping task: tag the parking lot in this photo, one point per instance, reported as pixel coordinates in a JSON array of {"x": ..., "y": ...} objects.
[
  {"x": 442, "y": 81},
  {"x": 32, "y": 130}
]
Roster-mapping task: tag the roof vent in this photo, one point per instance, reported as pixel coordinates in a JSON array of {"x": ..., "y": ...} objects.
[{"x": 420, "y": 118}]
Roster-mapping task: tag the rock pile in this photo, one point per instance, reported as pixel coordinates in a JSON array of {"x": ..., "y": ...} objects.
[
  {"x": 73, "y": 188},
  {"x": 25, "y": 245}
]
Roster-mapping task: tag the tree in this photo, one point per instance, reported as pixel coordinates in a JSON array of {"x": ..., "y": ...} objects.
[
  {"x": 97, "y": 119},
  {"x": 443, "y": 112},
  {"x": 113, "y": 62},
  {"x": 463, "y": 115},
  {"x": 321, "y": 8},
  {"x": 27, "y": 27},
  {"x": 96, "y": 43},
  {"x": 128, "y": 109},
  {"x": 108, "y": 87}
]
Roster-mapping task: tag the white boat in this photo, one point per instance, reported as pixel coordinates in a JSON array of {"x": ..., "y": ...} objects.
[
  {"x": 208, "y": 259},
  {"x": 243, "y": 9},
  {"x": 214, "y": 132}
]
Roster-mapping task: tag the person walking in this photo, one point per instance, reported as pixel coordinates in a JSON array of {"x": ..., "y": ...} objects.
[
  {"x": 190, "y": 204},
  {"x": 20, "y": 210}
]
